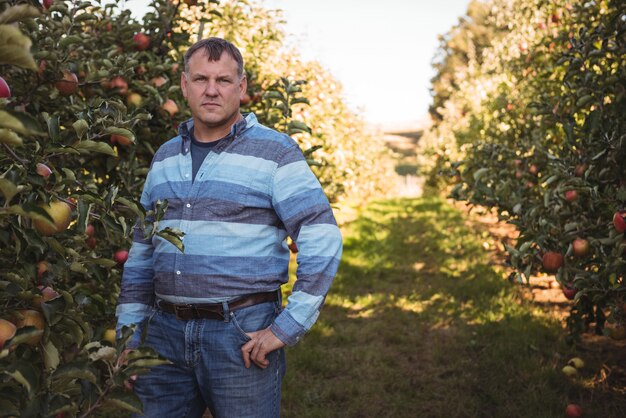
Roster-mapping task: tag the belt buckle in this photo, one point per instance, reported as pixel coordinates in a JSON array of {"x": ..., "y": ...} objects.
[{"x": 179, "y": 308}]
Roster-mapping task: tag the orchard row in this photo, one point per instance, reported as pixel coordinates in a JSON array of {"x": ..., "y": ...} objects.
[{"x": 530, "y": 110}]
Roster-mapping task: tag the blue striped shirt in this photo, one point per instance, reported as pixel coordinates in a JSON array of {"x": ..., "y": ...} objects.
[{"x": 252, "y": 191}]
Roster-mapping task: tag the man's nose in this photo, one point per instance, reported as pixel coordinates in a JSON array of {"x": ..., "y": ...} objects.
[{"x": 210, "y": 89}]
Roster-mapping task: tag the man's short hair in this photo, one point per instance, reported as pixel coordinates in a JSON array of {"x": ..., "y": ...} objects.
[{"x": 214, "y": 48}]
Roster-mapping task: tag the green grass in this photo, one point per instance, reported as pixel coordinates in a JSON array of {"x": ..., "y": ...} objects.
[{"x": 418, "y": 324}]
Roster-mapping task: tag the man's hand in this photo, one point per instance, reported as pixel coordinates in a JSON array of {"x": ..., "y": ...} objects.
[{"x": 261, "y": 344}]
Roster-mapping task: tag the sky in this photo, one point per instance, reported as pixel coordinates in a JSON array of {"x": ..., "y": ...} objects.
[{"x": 381, "y": 51}]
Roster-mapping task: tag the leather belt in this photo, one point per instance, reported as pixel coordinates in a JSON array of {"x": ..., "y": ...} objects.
[{"x": 215, "y": 310}]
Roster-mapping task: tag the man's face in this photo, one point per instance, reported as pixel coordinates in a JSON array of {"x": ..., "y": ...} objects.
[{"x": 213, "y": 91}]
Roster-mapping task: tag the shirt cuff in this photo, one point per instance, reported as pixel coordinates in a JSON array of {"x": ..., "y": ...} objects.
[{"x": 287, "y": 329}]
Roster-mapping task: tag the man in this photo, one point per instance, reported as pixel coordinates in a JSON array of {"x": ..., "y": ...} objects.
[{"x": 236, "y": 189}]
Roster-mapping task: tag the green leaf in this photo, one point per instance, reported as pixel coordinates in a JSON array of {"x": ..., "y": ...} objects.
[
  {"x": 9, "y": 121},
  {"x": 296, "y": 126},
  {"x": 10, "y": 138},
  {"x": 81, "y": 127},
  {"x": 125, "y": 400},
  {"x": 69, "y": 40},
  {"x": 53, "y": 125},
  {"x": 50, "y": 356},
  {"x": 15, "y": 48},
  {"x": 78, "y": 268},
  {"x": 25, "y": 374},
  {"x": 120, "y": 131},
  {"x": 19, "y": 12},
  {"x": 29, "y": 124},
  {"x": 74, "y": 371},
  {"x": 88, "y": 146},
  {"x": 173, "y": 236},
  {"x": 8, "y": 189},
  {"x": 479, "y": 173},
  {"x": 104, "y": 262},
  {"x": 132, "y": 206},
  {"x": 148, "y": 362}
]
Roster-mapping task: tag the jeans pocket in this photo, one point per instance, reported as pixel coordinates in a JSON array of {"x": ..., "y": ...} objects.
[{"x": 253, "y": 318}]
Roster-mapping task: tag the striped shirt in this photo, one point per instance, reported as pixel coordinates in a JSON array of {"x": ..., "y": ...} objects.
[{"x": 252, "y": 191}]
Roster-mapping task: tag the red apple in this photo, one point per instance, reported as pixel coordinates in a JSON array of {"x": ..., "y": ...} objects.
[
  {"x": 170, "y": 107},
  {"x": 580, "y": 247},
  {"x": 42, "y": 267},
  {"x": 7, "y": 331},
  {"x": 47, "y": 293},
  {"x": 5, "y": 91},
  {"x": 43, "y": 170},
  {"x": 120, "y": 256},
  {"x": 533, "y": 169},
  {"x": 552, "y": 261},
  {"x": 47, "y": 4},
  {"x": 571, "y": 195},
  {"x": 31, "y": 318},
  {"x": 91, "y": 242},
  {"x": 120, "y": 84},
  {"x": 141, "y": 41},
  {"x": 158, "y": 81},
  {"x": 121, "y": 140},
  {"x": 573, "y": 411},
  {"x": 68, "y": 85},
  {"x": 619, "y": 222},
  {"x": 569, "y": 292},
  {"x": 580, "y": 169},
  {"x": 90, "y": 230}
]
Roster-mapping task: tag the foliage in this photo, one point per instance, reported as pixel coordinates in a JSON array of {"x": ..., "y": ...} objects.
[{"x": 536, "y": 130}]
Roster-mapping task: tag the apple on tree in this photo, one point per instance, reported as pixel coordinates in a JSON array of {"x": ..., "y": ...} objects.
[
  {"x": 31, "y": 318},
  {"x": 570, "y": 292},
  {"x": 7, "y": 331},
  {"x": 619, "y": 221},
  {"x": 141, "y": 41},
  {"x": 61, "y": 214},
  {"x": 120, "y": 256},
  {"x": 170, "y": 107},
  {"x": 43, "y": 170},
  {"x": 573, "y": 411},
  {"x": 67, "y": 85},
  {"x": 580, "y": 247},
  {"x": 571, "y": 195},
  {"x": 47, "y": 293},
  {"x": 552, "y": 261},
  {"x": 5, "y": 91}
]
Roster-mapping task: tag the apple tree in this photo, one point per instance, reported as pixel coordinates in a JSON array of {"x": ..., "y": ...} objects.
[{"x": 535, "y": 130}]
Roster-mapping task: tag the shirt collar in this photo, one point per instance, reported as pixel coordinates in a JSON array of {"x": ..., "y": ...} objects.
[{"x": 186, "y": 127}]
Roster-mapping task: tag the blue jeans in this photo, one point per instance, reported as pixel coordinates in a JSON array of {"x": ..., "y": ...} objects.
[{"x": 207, "y": 369}]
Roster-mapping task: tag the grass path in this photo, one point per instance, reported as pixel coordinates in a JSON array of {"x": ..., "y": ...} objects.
[{"x": 418, "y": 324}]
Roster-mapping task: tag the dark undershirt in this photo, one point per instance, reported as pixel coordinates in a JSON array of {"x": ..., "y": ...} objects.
[{"x": 199, "y": 151}]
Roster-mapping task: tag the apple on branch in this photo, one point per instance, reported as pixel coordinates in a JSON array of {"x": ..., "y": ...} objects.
[
  {"x": 61, "y": 214},
  {"x": 5, "y": 91},
  {"x": 7, "y": 331},
  {"x": 67, "y": 85}
]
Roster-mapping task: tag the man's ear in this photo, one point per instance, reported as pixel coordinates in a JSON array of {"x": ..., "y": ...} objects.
[
  {"x": 183, "y": 84},
  {"x": 243, "y": 86}
]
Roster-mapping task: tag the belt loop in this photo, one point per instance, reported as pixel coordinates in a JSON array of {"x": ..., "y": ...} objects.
[{"x": 226, "y": 311}]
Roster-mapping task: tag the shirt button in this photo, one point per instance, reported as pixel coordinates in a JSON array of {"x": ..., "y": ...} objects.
[
  {"x": 186, "y": 149},
  {"x": 178, "y": 272},
  {"x": 188, "y": 205},
  {"x": 187, "y": 175}
]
